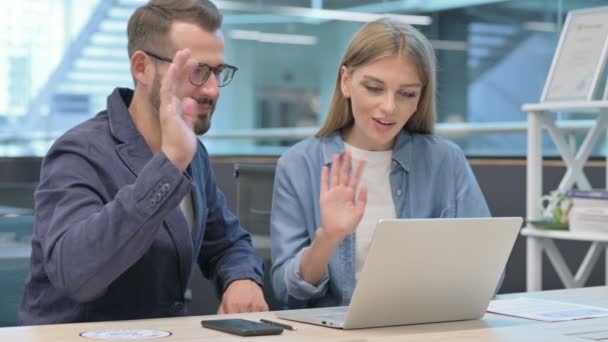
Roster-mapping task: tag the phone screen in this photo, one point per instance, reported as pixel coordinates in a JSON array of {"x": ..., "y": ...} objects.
[{"x": 242, "y": 327}]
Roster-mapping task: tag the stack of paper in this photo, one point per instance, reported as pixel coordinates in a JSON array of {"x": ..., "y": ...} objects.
[{"x": 545, "y": 310}]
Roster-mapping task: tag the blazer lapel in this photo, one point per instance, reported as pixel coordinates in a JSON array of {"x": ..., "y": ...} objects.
[
  {"x": 198, "y": 205},
  {"x": 135, "y": 153},
  {"x": 132, "y": 147},
  {"x": 135, "y": 156}
]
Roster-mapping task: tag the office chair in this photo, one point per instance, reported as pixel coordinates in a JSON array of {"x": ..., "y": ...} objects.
[{"x": 15, "y": 236}]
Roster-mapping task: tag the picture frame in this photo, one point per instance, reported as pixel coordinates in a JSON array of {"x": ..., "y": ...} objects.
[{"x": 580, "y": 57}]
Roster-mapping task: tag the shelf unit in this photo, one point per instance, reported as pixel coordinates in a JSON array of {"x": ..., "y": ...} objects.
[{"x": 542, "y": 116}]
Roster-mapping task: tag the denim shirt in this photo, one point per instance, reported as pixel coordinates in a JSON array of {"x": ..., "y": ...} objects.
[{"x": 430, "y": 178}]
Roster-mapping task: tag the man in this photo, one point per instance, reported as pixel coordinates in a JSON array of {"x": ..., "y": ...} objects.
[{"x": 127, "y": 200}]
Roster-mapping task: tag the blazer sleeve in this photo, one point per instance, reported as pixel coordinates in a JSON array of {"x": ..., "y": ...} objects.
[
  {"x": 88, "y": 240},
  {"x": 290, "y": 238},
  {"x": 227, "y": 253}
]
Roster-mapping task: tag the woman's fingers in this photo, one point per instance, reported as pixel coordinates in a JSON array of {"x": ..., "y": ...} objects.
[
  {"x": 334, "y": 178},
  {"x": 340, "y": 173},
  {"x": 355, "y": 177},
  {"x": 324, "y": 171},
  {"x": 361, "y": 199},
  {"x": 345, "y": 168}
]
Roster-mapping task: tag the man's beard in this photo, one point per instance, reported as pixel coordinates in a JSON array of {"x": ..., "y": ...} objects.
[{"x": 201, "y": 123}]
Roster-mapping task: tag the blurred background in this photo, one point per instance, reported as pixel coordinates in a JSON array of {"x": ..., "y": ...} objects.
[{"x": 59, "y": 59}]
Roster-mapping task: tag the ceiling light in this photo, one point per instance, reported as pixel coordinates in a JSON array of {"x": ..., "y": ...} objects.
[
  {"x": 453, "y": 45},
  {"x": 542, "y": 26},
  {"x": 279, "y": 38},
  {"x": 316, "y": 13}
]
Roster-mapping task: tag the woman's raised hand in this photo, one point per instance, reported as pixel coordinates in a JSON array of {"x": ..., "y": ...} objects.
[{"x": 341, "y": 209}]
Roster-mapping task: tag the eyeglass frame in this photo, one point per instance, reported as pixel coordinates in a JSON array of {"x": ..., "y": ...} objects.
[{"x": 206, "y": 77}]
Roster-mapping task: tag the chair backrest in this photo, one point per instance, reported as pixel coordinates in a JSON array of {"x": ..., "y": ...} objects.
[
  {"x": 15, "y": 236},
  {"x": 254, "y": 183}
]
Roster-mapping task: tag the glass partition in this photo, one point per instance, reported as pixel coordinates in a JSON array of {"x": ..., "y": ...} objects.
[{"x": 60, "y": 59}]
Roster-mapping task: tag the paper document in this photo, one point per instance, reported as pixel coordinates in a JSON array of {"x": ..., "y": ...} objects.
[
  {"x": 545, "y": 310},
  {"x": 601, "y": 335}
]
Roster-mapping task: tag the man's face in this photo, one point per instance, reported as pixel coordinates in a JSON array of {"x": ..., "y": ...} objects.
[{"x": 207, "y": 48}]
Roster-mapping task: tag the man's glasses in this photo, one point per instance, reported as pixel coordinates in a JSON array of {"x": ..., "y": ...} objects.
[{"x": 200, "y": 74}]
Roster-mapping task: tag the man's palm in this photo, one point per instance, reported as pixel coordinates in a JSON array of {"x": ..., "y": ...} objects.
[{"x": 177, "y": 114}]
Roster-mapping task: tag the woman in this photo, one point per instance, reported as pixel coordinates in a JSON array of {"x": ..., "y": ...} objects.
[{"x": 379, "y": 125}]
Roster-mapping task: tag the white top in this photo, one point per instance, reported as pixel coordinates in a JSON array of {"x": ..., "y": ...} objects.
[
  {"x": 186, "y": 206},
  {"x": 376, "y": 177}
]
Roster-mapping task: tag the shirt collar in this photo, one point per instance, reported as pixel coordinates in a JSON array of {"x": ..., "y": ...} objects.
[
  {"x": 402, "y": 151},
  {"x": 331, "y": 145},
  {"x": 121, "y": 123}
]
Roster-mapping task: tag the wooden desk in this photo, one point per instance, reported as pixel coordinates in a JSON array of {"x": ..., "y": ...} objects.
[{"x": 490, "y": 328}]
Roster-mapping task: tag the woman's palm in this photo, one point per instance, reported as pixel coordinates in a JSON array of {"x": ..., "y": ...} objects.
[{"x": 341, "y": 210}]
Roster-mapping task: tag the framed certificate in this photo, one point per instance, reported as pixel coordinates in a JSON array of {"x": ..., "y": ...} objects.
[{"x": 580, "y": 57}]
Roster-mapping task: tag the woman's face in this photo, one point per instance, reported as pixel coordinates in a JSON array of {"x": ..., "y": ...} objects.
[{"x": 384, "y": 95}]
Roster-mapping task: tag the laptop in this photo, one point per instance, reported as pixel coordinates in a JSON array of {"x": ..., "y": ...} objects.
[{"x": 424, "y": 271}]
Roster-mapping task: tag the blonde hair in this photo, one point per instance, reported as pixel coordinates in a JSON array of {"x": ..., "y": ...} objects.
[{"x": 384, "y": 38}]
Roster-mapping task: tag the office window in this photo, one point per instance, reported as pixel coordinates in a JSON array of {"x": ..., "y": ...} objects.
[
  {"x": 493, "y": 56},
  {"x": 19, "y": 81}
]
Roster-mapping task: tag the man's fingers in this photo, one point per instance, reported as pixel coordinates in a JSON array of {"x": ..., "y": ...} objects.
[
  {"x": 189, "y": 111},
  {"x": 242, "y": 307},
  {"x": 259, "y": 305},
  {"x": 255, "y": 306},
  {"x": 238, "y": 308},
  {"x": 220, "y": 310},
  {"x": 183, "y": 65},
  {"x": 170, "y": 79},
  {"x": 260, "y": 308},
  {"x": 176, "y": 73}
]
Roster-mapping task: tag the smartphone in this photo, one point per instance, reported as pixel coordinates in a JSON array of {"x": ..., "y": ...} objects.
[{"x": 242, "y": 327}]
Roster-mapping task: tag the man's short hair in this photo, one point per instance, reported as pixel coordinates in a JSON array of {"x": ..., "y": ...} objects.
[{"x": 149, "y": 25}]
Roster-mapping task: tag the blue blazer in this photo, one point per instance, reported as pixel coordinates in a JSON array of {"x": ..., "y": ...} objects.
[{"x": 110, "y": 241}]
